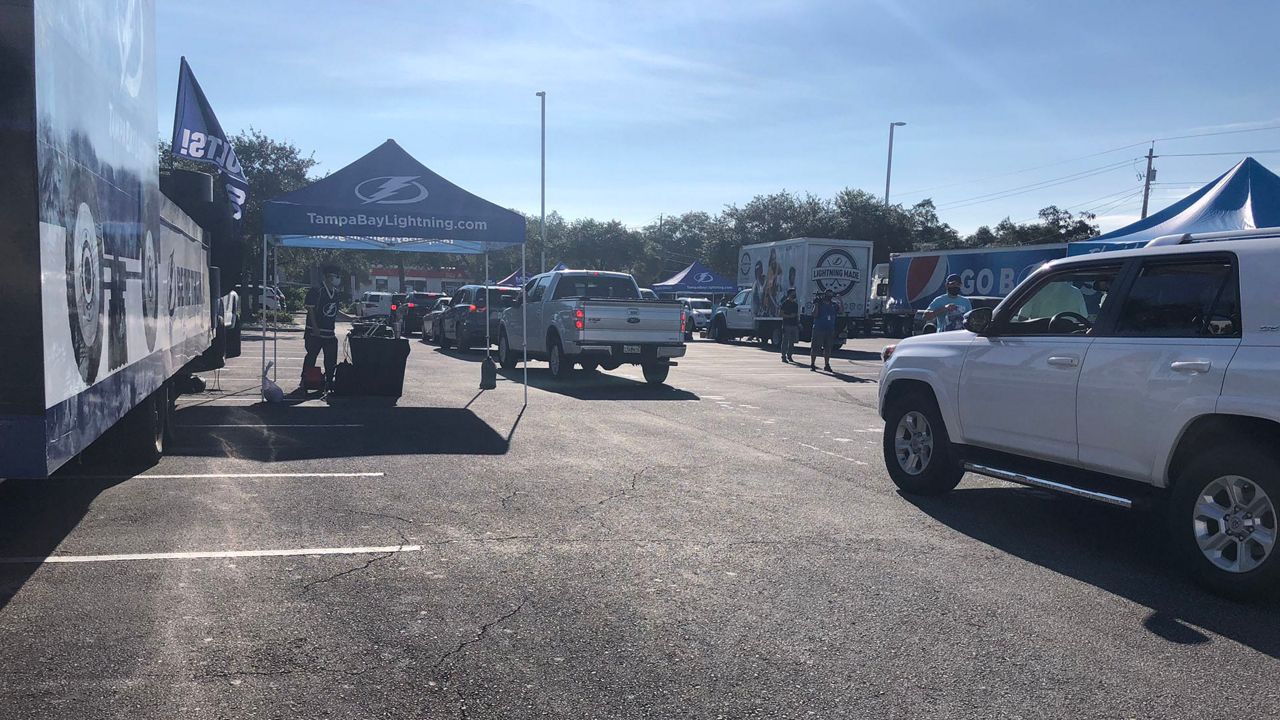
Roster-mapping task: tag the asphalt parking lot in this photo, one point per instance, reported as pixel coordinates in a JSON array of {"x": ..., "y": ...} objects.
[{"x": 728, "y": 545}]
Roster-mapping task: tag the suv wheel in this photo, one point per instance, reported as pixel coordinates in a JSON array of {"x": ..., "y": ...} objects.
[
  {"x": 506, "y": 358},
  {"x": 1223, "y": 522},
  {"x": 917, "y": 451},
  {"x": 560, "y": 367}
]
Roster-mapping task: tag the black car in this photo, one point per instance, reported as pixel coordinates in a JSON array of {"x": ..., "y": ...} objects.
[
  {"x": 416, "y": 307},
  {"x": 921, "y": 327},
  {"x": 431, "y": 321},
  {"x": 462, "y": 325}
]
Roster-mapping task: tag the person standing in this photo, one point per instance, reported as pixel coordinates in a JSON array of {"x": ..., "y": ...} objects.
[
  {"x": 790, "y": 324},
  {"x": 949, "y": 308},
  {"x": 824, "y": 330},
  {"x": 322, "y": 314}
]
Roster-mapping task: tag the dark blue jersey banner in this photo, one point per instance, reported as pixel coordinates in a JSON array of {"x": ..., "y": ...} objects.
[{"x": 197, "y": 135}]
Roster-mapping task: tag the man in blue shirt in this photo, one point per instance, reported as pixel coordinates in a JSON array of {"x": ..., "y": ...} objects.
[
  {"x": 824, "y": 330},
  {"x": 948, "y": 310}
]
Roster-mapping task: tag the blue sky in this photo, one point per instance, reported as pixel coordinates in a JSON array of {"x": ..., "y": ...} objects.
[{"x": 663, "y": 107}]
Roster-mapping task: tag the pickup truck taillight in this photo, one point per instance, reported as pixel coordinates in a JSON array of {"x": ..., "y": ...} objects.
[
  {"x": 683, "y": 320},
  {"x": 579, "y": 319},
  {"x": 471, "y": 308},
  {"x": 393, "y": 308},
  {"x": 887, "y": 352}
]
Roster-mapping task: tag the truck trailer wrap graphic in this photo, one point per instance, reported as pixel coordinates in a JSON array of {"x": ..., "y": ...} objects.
[
  {"x": 917, "y": 278},
  {"x": 116, "y": 290},
  {"x": 810, "y": 266}
]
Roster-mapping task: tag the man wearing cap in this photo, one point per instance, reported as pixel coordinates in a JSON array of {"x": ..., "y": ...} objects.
[
  {"x": 949, "y": 309},
  {"x": 824, "y": 329},
  {"x": 322, "y": 313}
]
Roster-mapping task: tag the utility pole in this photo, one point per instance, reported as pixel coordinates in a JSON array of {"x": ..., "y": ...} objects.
[{"x": 1151, "y": 175}]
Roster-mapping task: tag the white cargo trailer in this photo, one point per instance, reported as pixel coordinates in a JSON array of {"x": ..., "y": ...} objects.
[{"x": 766, "y": 271}]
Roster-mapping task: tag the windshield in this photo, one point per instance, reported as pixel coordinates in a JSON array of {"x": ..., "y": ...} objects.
[
  {"x": 596, "y": 286},
  {"x": 700, "y": 304}
]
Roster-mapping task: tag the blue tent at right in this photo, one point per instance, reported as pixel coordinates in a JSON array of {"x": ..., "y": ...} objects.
[{"x": 1245, "y": 197}]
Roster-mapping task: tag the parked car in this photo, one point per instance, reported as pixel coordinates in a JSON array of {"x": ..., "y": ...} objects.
[
  {"x": 416, "y": 307},
  {"x": 431, "y": 322},
  {"x": 923, "y": 327},
  {"x": 1165, "y": 397},
  {"x": 594, "y": 319},
  {"x": 374, "y": 303},
  {"x": 698, "y": 312},
  {"x": 462, "y": 325},
  {"x": 251, "y": 296}
]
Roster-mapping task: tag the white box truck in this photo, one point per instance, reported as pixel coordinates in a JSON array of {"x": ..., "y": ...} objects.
[{"x": 809, "y": 265}]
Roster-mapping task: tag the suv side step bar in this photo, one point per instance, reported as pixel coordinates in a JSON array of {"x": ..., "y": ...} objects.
[{"x": 1036, "y": 482}]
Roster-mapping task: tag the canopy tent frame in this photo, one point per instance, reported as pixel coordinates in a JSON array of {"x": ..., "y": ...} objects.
[{"x": 416, "y": 200}]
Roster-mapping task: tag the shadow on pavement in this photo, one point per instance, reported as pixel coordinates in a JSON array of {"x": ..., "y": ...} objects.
[
  {"x": 802, "y": 348},
  {"x": 599, "y": 385},
  {"x": 1121, "y": 552},
  {"x": 37, "y": 515},
  {"x": 348, "y": 427},
  {"x": 474, "y": 355}
]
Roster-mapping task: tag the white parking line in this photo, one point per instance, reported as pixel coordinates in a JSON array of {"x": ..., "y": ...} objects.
[
  {"x": 207, "y": 555},
  {"x": 828, "y": 452},
  {"x": 268, "y": 425},
  {"x": 263, "y": 475}
]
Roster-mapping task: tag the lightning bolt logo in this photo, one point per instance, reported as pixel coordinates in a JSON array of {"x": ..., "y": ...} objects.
[{"x": 391, "y": 190}]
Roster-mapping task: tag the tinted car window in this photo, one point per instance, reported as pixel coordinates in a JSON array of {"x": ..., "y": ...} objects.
[
  {"x": 1057, "y": 304},
  {"x": 596, "y": 286},
  {"x": 1182, "y": 299},
  {"x": 539, "y": 285}
]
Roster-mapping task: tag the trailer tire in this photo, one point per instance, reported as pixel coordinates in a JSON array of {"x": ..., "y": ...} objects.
[
  {"x": 145, "y": 430},
  {"x": 85, "y": 257}
]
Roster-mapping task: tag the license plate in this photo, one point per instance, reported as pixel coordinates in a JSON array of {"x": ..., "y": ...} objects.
[{"x": 631, "y": 349}]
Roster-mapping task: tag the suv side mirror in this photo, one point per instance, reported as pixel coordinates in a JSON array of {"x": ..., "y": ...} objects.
[{"x": 977, "y": 321}]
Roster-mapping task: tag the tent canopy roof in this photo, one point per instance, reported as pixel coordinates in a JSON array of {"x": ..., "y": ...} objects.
[
  {"x": 1246, "y": 196},
  {"x": 387, "y": 200},
  {"x": 697, "y": 278}
]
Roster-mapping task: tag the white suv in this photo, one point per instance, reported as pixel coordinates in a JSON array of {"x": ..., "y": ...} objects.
[{"x": 1122, "y": 377}]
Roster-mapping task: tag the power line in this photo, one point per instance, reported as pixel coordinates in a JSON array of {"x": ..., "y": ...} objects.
[
  {"x": 1099, "y": 154},
  {"x": 1100, "y": 199},
  {"x": 1024, "y": 170},
  {"x": 1053, "y": 182},
  {"x": 1209, "y": 154},
  {"x": 1219, "y": 132}
]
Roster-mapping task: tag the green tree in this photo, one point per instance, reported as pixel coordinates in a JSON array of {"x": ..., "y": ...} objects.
[{"x": 1055, "y": 226}]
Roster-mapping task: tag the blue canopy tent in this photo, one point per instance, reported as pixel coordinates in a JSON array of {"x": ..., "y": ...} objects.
[
  {"x": 697, "y": 278},
  {"x": 1246, "y": 196},
  {"x": 387, "y": 200}
]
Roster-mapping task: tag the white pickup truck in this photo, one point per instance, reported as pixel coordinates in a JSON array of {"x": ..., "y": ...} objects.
[
  {"x": 1144, "y": 377},
  {"x": 594, "y": 319}
]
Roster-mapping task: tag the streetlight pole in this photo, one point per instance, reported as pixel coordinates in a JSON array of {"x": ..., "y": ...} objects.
[
  {"x": 888, "y": 171},
  {"x": 543, "y": 222}
]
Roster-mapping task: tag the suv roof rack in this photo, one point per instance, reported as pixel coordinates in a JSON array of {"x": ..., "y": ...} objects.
[{"x": 1191, "y": 238}]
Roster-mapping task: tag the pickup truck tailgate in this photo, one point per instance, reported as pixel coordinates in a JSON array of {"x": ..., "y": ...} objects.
[{"x": 621, "y": 321}]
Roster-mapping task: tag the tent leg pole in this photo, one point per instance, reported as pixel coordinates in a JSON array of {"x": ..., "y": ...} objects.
[
  {"x": 275, "y": 327},
  {"x": 262, "y": 313},
  {"x": 487, "y": 341},
  {"x": 524, "y": 325}
]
